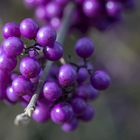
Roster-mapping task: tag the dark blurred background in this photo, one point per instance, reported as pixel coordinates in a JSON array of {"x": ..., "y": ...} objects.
[{"x": 118, "y": 109}]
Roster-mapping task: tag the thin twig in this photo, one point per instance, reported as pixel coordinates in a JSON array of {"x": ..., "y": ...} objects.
[{"x": 24, "y": 118}]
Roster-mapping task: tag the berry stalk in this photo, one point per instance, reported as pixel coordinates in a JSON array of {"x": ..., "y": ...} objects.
[{"x": 24, "y": 118}]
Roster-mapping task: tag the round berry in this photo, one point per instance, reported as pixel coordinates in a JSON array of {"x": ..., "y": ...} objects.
[
  {"x": 11, "y": 95},
  {"x": 84, "y": 47},
  {"x": 29, "y": 67},
  {"x": 46, "y": 36},
  {"x": 67, "y": 75},
  {"x": 29, "y": 28},
  {"x": 61, "y": 113},
  {"x": 41, "y": 114},
  {"x": 52, "y": 91},
  {"x": 13, "y": 46},
  {"x": 11, "y": 29},
  {"x": 55, "y": 53},
  {"x": 100, "y": 80},
  {"x": 22, "y": 86},
  {"x": 7, "y": 63}
]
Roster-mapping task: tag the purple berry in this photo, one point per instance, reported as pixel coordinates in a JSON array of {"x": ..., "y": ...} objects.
[
  {"x": 52, "y": 91},
  {"x": 100, "y": 80},
  {"x": 41, "y": 114},
  {"x": 46, "y": 36},
  {"x": 22, "y": 86},
  {"x": 13, "y": 46},
  {"x": 55, "y": 53},
  {"x": 11, "y": 29},
  {"x": 6, "y": 63},
  {"x": 29, "y": 67},
  {"x": 67, "y": 75},
  {"x": 84, "y": 47},
  {"x": 29, "y": 28},
  {"x": 61, "y": 113},
  {"x": 11, "y": 95}
]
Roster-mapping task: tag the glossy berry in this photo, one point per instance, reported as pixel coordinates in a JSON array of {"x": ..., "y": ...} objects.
[
  {"x": 22, "y": 86},
  {"x": 41, "y": 114},
  {"x": 52, "y": 91},
  {"x": 11, "y": 29},
  {"x": 100, "y": 80},
  {"x": 67, "y": 75},
  {"x": 11, "y": 95},
  {"x": 13, "y": 46},
  {"x": 6, "y": 63},
  {"x": 28, "y": 28},
  {"x": 84, "y": 47},
  {"x": 29, "y": 67},
  {"x": 61, "y": 113},
  {"x": 46, "y": 36},
  {"x": 55, "y": 53}
]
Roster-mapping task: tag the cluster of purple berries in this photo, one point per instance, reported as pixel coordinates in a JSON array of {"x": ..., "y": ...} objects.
[
  {"x": 14, "y": 52},
  {"x": 87, "y": 13},
  {"x": 68, "y": 87}
]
